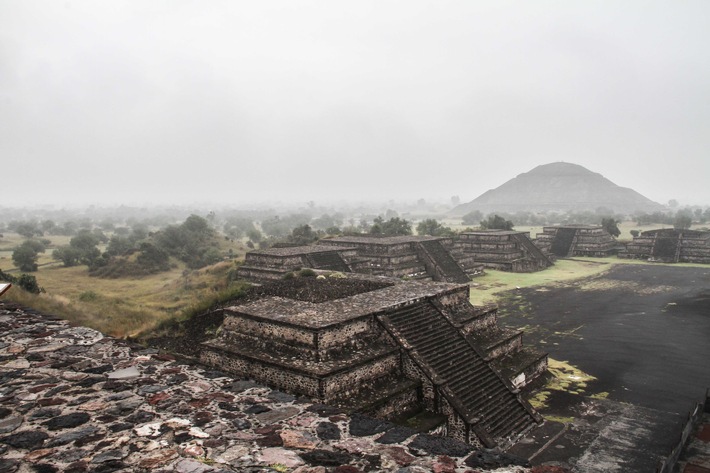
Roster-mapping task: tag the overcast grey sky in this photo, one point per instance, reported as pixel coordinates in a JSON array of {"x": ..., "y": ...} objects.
[{"x": 236, "y": 101}]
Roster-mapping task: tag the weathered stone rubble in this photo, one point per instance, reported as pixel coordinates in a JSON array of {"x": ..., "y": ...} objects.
[{"x": 72, "y": 400}]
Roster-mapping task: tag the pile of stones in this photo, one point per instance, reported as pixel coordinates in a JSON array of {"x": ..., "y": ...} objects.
[{"x": 73, "y": 400}]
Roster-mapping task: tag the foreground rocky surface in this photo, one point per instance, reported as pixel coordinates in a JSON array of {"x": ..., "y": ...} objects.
[{"x": 72, "y": 400}]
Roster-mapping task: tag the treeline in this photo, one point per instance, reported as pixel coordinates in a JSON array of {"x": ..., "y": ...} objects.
[
  {"x": 694, "y": 215},
  {"x": 128, "y": 251}
]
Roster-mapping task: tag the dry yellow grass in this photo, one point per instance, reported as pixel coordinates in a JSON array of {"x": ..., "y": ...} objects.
[{"x": 126, "y": 306}]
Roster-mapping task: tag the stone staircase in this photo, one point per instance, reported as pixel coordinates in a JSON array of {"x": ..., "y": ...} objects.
[
  {"x": 329, "y": 260},
  {"x": 444, "y": 262},
  {"x": 479, "y": 394},
  {"x": 563, "y": 243},
  {"x": 532, "y": 250}
]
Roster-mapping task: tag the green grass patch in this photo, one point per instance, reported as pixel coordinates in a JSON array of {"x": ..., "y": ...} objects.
[{"x": 484, "y": 289}]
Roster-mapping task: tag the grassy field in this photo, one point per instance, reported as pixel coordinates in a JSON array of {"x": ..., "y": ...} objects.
[
  {"x": 119, "y": 307},
  {"x": 485, "y": 289}
]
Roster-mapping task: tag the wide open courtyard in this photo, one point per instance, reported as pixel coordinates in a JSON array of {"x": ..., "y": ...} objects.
[{"x": 635, "y": 342}]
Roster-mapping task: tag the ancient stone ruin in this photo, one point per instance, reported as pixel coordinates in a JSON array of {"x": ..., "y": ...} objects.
[
  {"x": 503, "y": 249},
  {"x": 411, "y": 257},
  {"x": 275, "y": 263},
  {"x": 75, "y": 401},
  {"x": 670, "y": 246},
  {"x": 396, "y": 350},
  {"x": 576, "y": 240}
]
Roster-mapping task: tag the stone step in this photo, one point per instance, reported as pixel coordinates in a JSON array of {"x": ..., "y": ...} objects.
[
  {"x": 506, "y": 421},
  {"x": 471, "y": 375},
  {"x": 485, "y": 398},
  {"x": 433, "y": 345},
  {"x": 443, "y": 349},
  {"x": 514, "y": 427}
]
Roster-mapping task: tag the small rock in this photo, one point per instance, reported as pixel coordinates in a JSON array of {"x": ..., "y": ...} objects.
[
  {"x": 18, "y": 363},
  {"x": 354, "y": 445},
  {"x": 256, "y": 409},
  {"x": 328, "y": 431},
  {"x": 198, "y": 433},
  {"x": 326, "y": 458},
  {"x": 299, "y": 440},
  {"x": 194, "y": 451},
  {"x": 77, "y": 467},
  {"x": 232, "y": 454},
  {"x": 38, "y": 454},
  {"x": 93, "y": 406},
  {"x": 8, "y": 465},
  {"x": 177, "y": 423},
  {"x": 110, "y": 455},
  {"x": 157, "y": 460},
  {"x": 126, "y": 373},
  {"x": 271, "y": 456},
  {"x": 99, "y": 369},
  {"x": 279, "y": 396},
  {"x": 399, "y": 455},
  {"x": 276, "y": 415},
  {"x": 444, "y": 464},
  {"x": 270, "y": 440},
  {"x": 28, "y": 439},
  {"x": 10, "y": 424},
  {"x": 148, "y": 430},
  {"x": 151, "y": 389},
  {"x": 68, "y": 421},
  {"x": 72, "y": 436},
  {"x": 120, "y": 426},
  {"x": 187, "y": 465}
]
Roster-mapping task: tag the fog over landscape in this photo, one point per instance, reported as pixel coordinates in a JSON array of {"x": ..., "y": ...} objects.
[{"x": 167, "y": 102}]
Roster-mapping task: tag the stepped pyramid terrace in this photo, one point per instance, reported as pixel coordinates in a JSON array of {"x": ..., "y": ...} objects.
[
  {"x": 670, "y": 245},
  {"x": 576, "y": 240},
  {"x": 412, "y": 257},
  {"x": 506, "y": 250},
  {"x": 392, "y": 349}
]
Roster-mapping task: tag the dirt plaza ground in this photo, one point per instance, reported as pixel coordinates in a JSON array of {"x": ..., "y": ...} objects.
[{"x": 630, "y": 348}]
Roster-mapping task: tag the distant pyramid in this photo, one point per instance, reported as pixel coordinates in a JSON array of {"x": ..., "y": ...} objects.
[{"x": 559, "y": 187}]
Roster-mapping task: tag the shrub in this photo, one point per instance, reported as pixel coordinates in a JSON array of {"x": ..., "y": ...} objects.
[
  {"x": 88, "y": 296},
  {"x": 307, "y": 273}
]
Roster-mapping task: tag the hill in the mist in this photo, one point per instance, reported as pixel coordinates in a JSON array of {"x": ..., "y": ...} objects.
[{"x": 559, "y": 187}]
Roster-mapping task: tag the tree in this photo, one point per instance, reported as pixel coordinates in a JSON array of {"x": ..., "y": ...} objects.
[
  {"x": 25, "y": 255},
  {"x": 496, "y": 222},
  {"x": 85, "y": 243},
  {"x": 634, "y": 233},
  {"x": 119, "y": 245},
  {"x": 254, "y": 236},
  {"x": 682, "y": 221},
  {"x": 189, "y": 242},
  {"x": 28, "y": 229},
  {"x": 68, "y": 255},
  {"x": 472, "y": 218},
  {"x": 431, "y": 227},
  {"x": 392, "y": 227},
  {"x": 152, "y": 259},
  {"x": 302, "y": 235},
  {"x": 611, "y": 225}
]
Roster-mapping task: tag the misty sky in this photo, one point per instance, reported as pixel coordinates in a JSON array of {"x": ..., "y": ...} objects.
[{"x": 242, "y": 101}]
